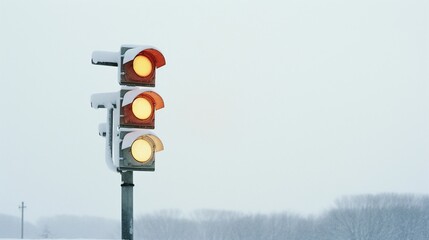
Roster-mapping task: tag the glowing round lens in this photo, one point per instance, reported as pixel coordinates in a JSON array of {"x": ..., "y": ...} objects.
[
  {"x": 141, "y": 150},
  {"x": 142, "y": 66},
  {"x": 141, "y": 108}
]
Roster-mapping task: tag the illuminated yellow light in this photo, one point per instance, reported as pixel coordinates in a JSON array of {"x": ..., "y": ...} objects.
[
  {"x": 142, "y": 108},
  {"x": 142, "y": 66},
  {"x": 141, "y": 150}
]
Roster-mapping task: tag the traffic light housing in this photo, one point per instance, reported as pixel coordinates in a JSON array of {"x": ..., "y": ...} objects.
[
  {"x": 139, "y": 64},
  {"x": 137, "y": 150},
  {"x": 131, "y": 111},
  {"x": 138, "y": 108}
]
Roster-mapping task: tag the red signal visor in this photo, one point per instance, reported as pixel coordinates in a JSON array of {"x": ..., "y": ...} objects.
[
  {"x": 131, "y": 95},
  {"x": 130, "y": 54}
]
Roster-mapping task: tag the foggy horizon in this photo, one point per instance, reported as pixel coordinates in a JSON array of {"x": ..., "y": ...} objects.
[{"x": 381, "y": 216}]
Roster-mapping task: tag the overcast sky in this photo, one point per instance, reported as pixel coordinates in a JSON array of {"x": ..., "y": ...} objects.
[{"x": 270, "y": 105}]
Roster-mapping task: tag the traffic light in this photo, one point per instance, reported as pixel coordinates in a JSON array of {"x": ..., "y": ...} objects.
[
  {"x": 138, "y": 150},
  {"x": 138, "y": 108},
  {"x": 130, "y": 146},
  {"x": 139, "y": 64}
]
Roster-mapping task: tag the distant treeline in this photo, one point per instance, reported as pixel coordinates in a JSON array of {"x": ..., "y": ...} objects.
[{"x": 364, "y": 217}]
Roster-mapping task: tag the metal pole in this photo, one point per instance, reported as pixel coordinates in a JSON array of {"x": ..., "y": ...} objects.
[
  {"x": 127, "y": 205},
  {"x": 22, "y": 219}
]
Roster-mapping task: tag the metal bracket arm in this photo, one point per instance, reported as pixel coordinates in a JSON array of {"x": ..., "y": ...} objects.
[{"x": 104, "y": 100}]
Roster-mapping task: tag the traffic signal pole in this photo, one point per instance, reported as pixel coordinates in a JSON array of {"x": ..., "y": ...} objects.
[
  {"x": 127, "y": 205},
  {"x": 130, "y": 145},
  {"x": 22, "y": 219}
]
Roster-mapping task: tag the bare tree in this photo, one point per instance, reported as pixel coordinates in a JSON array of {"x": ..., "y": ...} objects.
[
  {"x": 165, "y": 225},
  {"x": 376, "y": 217}
]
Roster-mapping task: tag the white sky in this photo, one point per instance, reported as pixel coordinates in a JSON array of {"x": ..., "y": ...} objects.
[{"x": 270, "y": 105}]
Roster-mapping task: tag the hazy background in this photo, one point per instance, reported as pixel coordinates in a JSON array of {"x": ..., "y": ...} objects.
[{"x": 270, "y": 105}]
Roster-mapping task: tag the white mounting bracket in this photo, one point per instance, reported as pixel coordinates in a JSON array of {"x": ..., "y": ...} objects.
[{"x": 104, "y": 100}]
